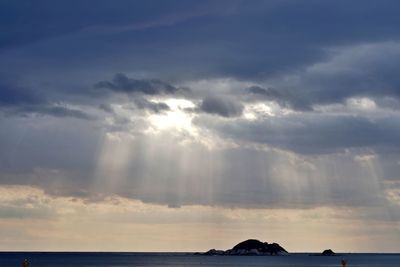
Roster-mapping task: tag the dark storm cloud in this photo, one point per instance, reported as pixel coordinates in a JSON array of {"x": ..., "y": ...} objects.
[
  {"x": 357, "y": 71},
  {"x": 11, "y": 95},
  {"x": 24, "y": 22},
  {"x": 15, "y": 100},
  {"x": 142, "y": 103},
  {"x": 106, "y": 107},
  {"x": 181, "y": 40},
  {"x": 282, "y": 97},
  {"x": 122, "y": 84},
  {"x": 221, "y": 106},
  {"x": 246, "y": 40},
  {"x": 54, "y": 110},
  {"x": 315, "y": 133},
  {"x": 251, "y": 41},
  {"x": 361, "y": 71}
]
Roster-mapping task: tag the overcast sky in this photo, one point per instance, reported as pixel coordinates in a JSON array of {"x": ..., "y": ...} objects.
[{"x": 148, "y": 125}]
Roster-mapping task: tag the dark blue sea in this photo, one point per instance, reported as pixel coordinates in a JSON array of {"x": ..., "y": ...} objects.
[{"x": 113, "y": 259}]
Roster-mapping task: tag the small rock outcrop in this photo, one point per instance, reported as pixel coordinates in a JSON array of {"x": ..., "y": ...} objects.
[
  {"x": 214, "y": 252},
  {"x": 250, "y": 247}
]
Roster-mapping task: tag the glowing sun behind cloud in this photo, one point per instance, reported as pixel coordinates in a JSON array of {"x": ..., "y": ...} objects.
[{"x": 176, "y": 118}]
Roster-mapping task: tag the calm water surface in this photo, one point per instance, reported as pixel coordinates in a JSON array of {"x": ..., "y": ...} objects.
[{"x": 58, "y": 259}]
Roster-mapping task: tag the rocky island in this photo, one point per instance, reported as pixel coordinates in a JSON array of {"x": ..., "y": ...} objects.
[
  {"x": 250, "y": 247},
  {"x": 326, "y": 252}
]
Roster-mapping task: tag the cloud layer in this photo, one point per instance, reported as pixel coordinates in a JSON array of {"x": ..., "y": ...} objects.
[{"x": 231, "y": 104}]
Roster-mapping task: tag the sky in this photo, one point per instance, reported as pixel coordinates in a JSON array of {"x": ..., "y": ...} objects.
[{"x": 190, "y": 125}]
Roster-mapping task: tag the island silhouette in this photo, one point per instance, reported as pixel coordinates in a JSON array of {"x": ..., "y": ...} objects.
[{"x": 250, "y": 247}]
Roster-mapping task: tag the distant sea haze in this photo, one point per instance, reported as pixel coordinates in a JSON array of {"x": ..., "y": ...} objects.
[{"x": 123, "y": 259}]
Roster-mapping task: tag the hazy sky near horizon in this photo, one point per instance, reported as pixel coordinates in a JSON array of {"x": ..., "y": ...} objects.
[{"x": 187, "y": 125}]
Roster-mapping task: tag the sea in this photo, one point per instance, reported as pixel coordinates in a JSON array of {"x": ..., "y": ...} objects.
[{"x": 124, "y": 259}]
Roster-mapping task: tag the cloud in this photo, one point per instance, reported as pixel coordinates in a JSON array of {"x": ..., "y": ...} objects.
[
  {"x": 106, "y": 107},
  {"x": 234, "y": 177},
  {"x": 313, "y": 133},
  {"x": 11, "y": 95},
  {"x": 15, "y": 100},
  {"x": 56, "y": 111},
  {"x": 126, "y": 16},
  {"x": 221, "y": 106},
  {"x": 204, "y": 47},
  {"x": 122, "y": 84},
  {"x": 282, "y": 97},
  {"x": 364, "y": 70},
  {"x": 155, "y": 107}
]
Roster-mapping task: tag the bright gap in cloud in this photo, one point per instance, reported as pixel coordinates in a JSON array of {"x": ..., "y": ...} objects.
[
  {"x": 176, "y": 117},
  {"x": 252, "y": 112}
]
